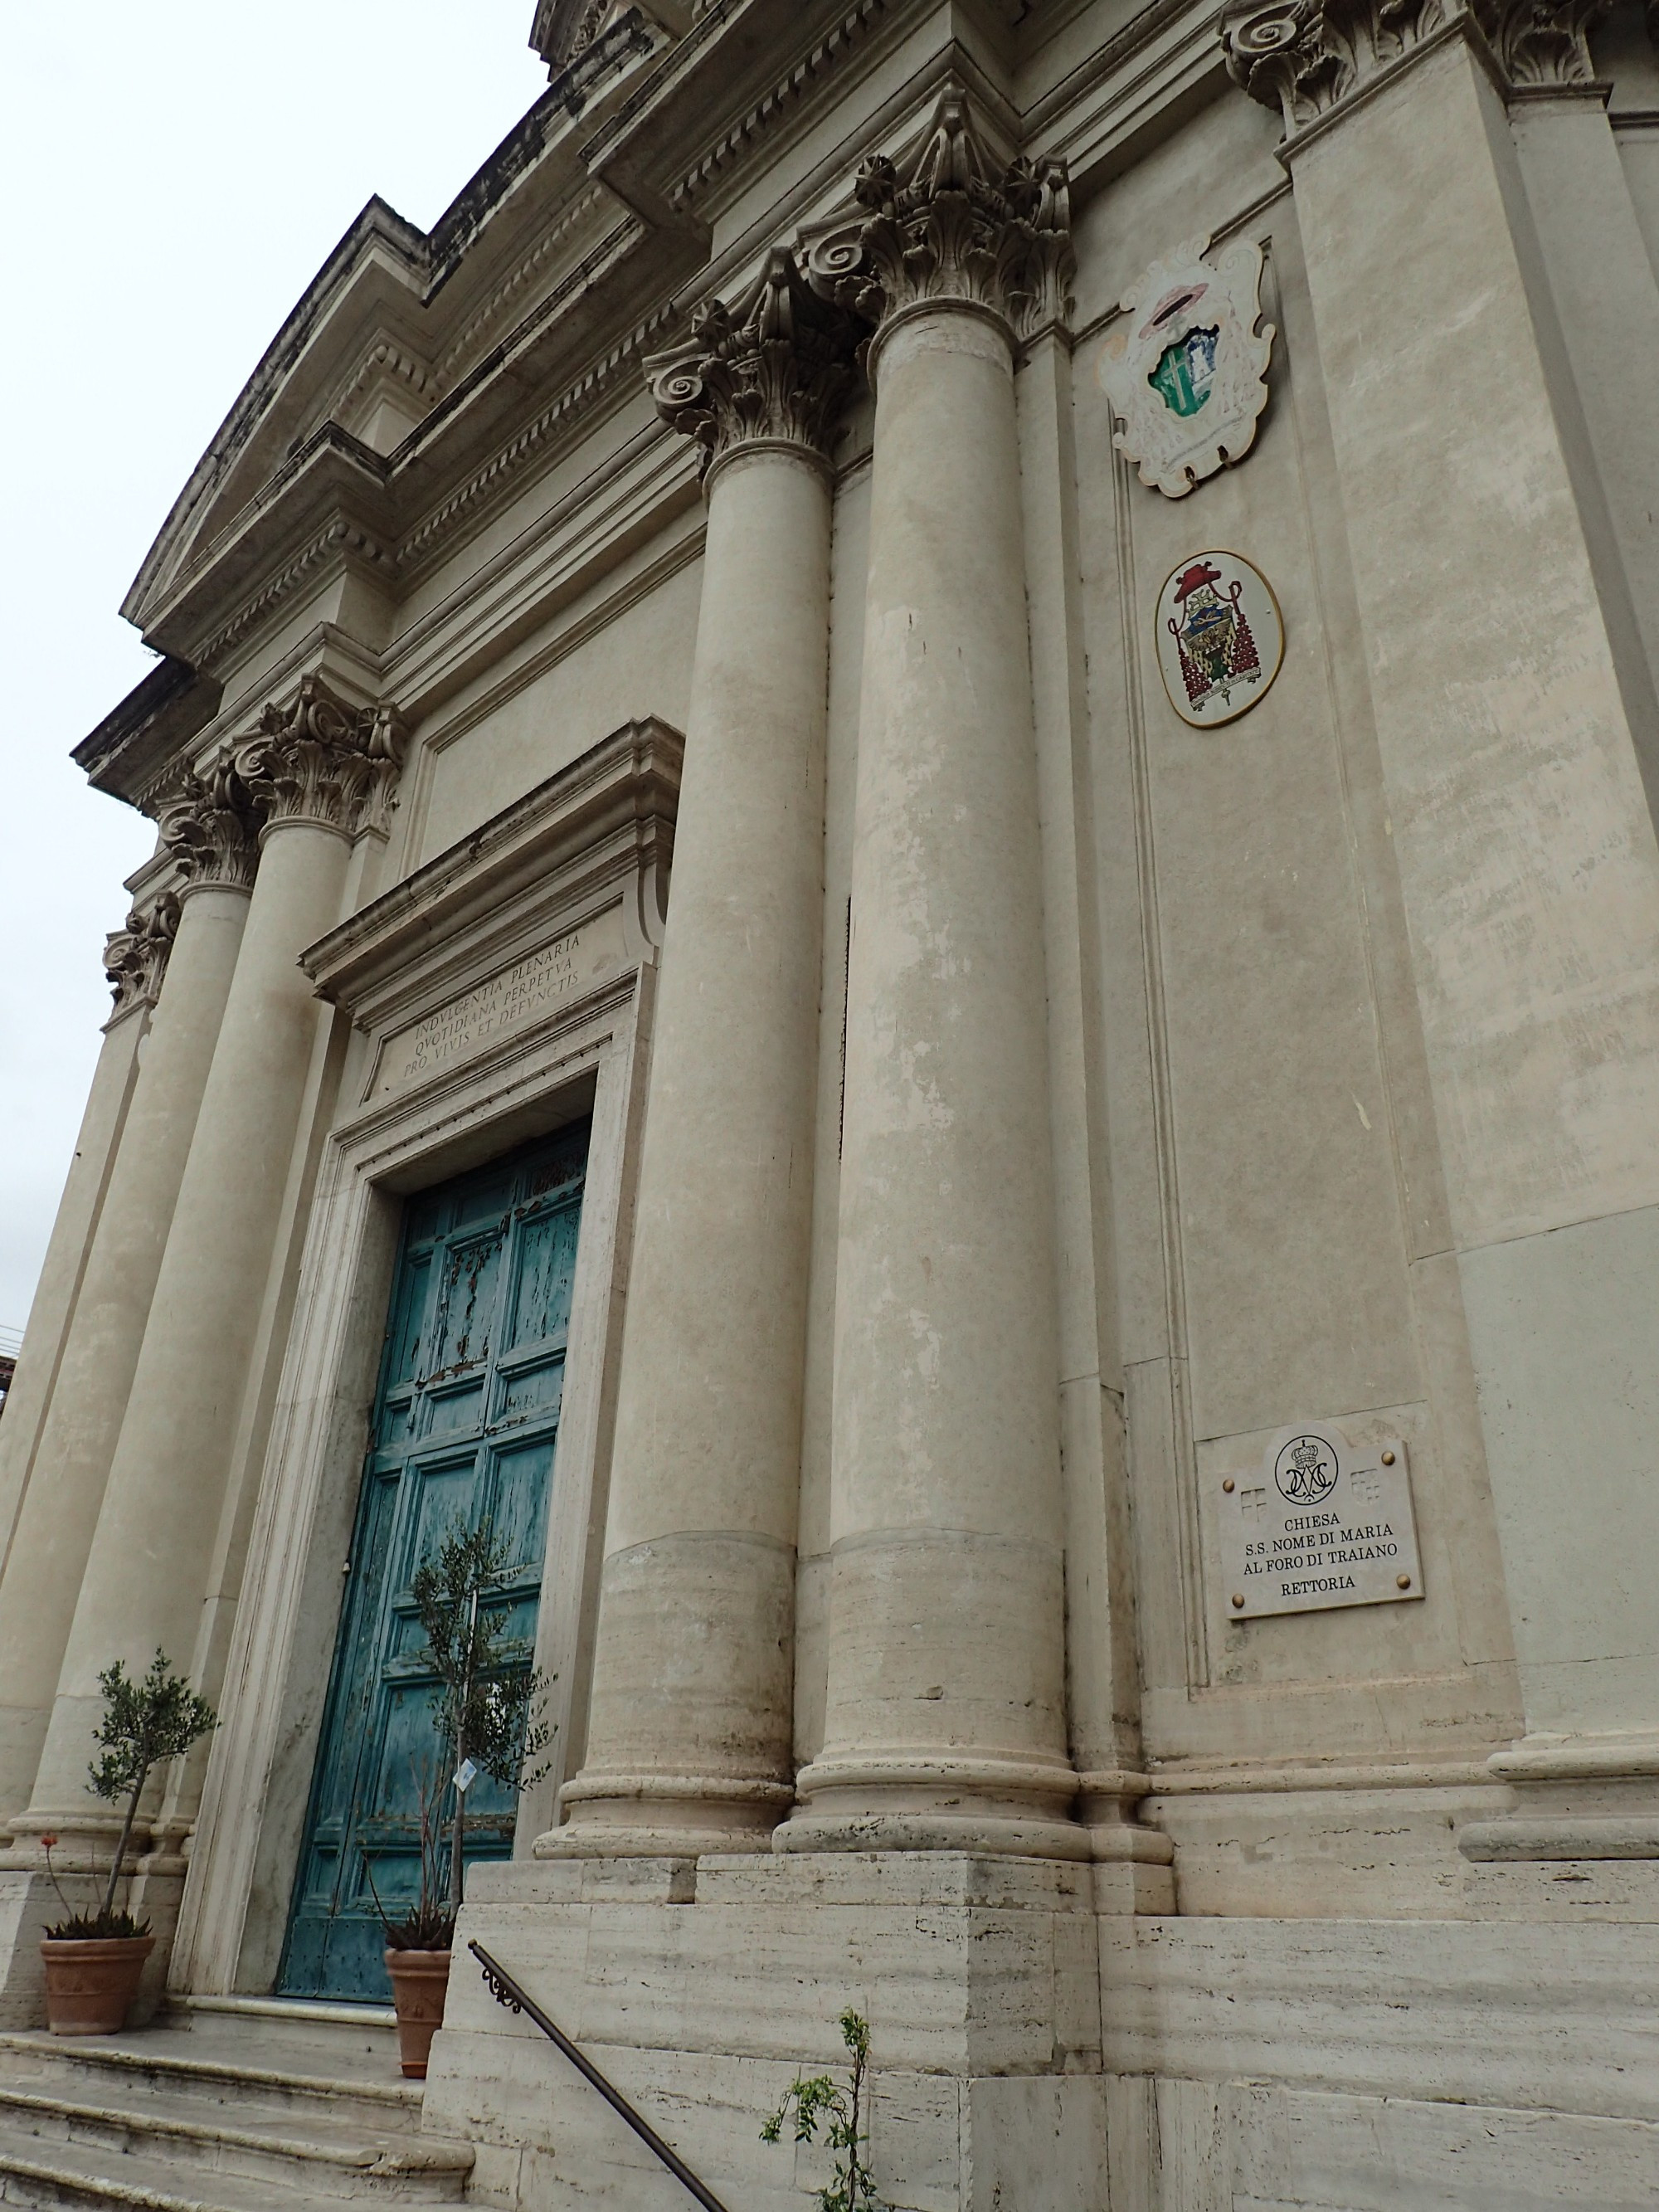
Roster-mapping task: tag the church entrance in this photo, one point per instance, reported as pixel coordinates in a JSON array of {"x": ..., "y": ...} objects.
[{"x": 465, "y": 1419}]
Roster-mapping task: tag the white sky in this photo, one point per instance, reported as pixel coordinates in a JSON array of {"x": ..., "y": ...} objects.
[{"x": 174, "y": 174}]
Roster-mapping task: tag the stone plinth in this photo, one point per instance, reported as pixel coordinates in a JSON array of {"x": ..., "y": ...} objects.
[{"x": 703, "y": 1991}]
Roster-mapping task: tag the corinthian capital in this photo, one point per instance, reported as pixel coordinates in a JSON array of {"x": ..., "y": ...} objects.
[
  {"x": 774, "y": 367},
  {"x": 212, "y": 830},
  {"x": 1304, "y": 56},
  {"x": 1276, "y": 53},
  {"x": 136, "y": 957},
  {"x": 1541, "y": 43},
  {"x": 943, "y": 223},
  {"x": 318, "y": 760}
]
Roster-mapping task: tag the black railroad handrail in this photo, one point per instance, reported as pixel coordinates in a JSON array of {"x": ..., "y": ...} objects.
[{"x": 506, "y": 1991}]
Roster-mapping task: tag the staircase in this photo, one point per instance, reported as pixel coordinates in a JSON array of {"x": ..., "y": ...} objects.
[{"x": 225, "y": 2105}]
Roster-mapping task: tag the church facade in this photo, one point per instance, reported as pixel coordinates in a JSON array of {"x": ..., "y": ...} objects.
[{"x": 906, "y": 898}]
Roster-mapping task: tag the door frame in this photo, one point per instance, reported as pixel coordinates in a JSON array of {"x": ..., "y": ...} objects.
[{"x": 587, "y": 1056}]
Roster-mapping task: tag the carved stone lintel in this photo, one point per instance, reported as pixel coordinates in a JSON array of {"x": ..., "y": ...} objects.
[
  {"x": 318, "y": 760},
  {"x": 1304, "y": 56},
  {"x": 942, "y": 223},
  {"x": 136, "y": 957},
  {"x": 776, "y": 366},
  {"x": 212, "y": 830}
]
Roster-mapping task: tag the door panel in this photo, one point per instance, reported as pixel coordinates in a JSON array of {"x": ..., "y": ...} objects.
[{"x": 465, "y": 1422}]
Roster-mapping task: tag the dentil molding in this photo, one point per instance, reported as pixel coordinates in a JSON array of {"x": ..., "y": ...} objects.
[
  {"x": 318, "y": 760},
  {"x": 1303, "y": 56},
  {"x": 776, "y": 366},
  {"x": 943, "y": 222}
]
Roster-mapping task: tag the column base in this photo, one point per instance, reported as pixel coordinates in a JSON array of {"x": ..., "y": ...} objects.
[
  {"x": 677, "y": 1816},
  {"x": 924, "y": 1801},
  {"x": 979, "y": 1977},
  {"x": 1573, "y": 1797}
]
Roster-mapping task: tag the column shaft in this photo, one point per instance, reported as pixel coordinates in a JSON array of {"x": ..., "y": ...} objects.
[
  {"x": 946, "y": 1715},
  {"x": 53, "y": 1309},
  {"x": 147, "y": 1571},
  {"x": 945, "y": 1725},
  {"x": 693, "y": 1681},
  {"x": 54, "y": 1533}
]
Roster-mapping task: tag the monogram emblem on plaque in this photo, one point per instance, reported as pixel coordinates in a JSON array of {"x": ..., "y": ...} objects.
[
  {"x": 1305, "y": 1470},
  {"x": 1187, "y": 370},
  {"x": 1220, "y": 640}
]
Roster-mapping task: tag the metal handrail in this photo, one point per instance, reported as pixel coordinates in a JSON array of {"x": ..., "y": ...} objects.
[{"x": 506, "y": 1991}]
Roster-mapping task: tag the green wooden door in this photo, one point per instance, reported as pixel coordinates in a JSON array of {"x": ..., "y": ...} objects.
[{"x": 465, "y": 1419}]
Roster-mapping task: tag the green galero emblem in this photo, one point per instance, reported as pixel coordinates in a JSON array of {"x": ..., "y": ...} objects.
[
  {"x": 1186, "y": 371},
  {"x": 1185, "y": 367}
]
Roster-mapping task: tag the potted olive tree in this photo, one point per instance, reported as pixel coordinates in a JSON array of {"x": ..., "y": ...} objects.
[
  {"x": 94, "y": 1960},
  {"x": 486, "y": 1719}
]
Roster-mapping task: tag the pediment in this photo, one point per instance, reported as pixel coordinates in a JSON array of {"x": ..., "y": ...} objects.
[{"x": 368, "y": 294}]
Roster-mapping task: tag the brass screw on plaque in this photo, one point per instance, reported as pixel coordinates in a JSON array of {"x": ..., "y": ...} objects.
[
  {"x": 1239, "y": 1602},
  {"x": 1228, "y": 1483},
  {"x": 1403, "y": 1581},
  {"x": 1388, "y": 1459}
]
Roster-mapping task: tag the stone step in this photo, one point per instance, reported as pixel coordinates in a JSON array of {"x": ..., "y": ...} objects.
[
  {"x": 33, "y": 2172},
  {"x": 104, "y": 2071},
  {"x": 308, "y": 2153}
]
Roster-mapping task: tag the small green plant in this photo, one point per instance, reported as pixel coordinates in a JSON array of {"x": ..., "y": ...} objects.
[
  {"x": 852, "y": 2187},
  {"x": 487, "y": 1717},
  {"x": 146, "y": 1722}
]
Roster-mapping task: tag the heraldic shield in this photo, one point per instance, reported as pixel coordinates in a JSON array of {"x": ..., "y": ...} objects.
[{"x": 1220, "y": 638}]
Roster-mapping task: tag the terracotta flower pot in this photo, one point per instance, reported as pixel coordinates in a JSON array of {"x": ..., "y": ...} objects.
[
  {"x": 90, "y": 1985},
  {"x": 420, "y": 1983}
]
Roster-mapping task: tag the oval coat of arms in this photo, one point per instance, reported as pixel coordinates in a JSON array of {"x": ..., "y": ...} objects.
[{"x": 1220, "y": 638}]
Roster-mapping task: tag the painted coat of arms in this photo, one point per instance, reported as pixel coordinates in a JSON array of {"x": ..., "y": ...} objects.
[
  {"x": 1220, "y": 639},
  {"x": 1187, "y": 371}
]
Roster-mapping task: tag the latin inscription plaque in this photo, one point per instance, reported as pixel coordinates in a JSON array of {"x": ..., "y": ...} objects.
[
  {"x": 1320, "y": 1524},
  {"x": 532, "y": 986}
]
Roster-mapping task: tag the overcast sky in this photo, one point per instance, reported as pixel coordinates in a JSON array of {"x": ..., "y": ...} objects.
[{"x": 175, "y": 175}]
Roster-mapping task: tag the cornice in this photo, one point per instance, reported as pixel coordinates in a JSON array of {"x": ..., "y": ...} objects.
[
  {"x": 158, "y": 717},
  {"x": 541, "y": 437},
  {"x": 384, "y": 362},
  {"x": 380, "y": 229},
  {"x": 626, "y": 785},
  {"x": 787, "y": 93},
  {"x": 523, "y": 273},
  {"x": 340, "y": 542}
]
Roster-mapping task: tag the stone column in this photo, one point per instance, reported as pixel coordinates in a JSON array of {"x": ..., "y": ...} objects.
[
  {"x": 312, "y": 770},
  {"x": 946, "y": 1725},
  {"x": 1602, "y": 282},
  {"x": 1511, "y": 757},
  {"x": 53, "y": 1309},
  {"x": 209, "y": 832},
  {"x": 690, "y": 1737}
]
